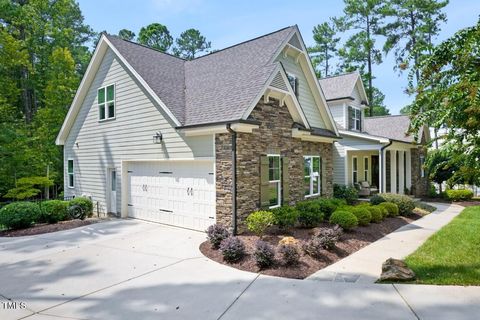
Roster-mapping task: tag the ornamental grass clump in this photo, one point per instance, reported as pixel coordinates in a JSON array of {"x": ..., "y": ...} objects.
[
  {"x": 216, "y": 233},
  {"x": 233, "y": 249},
  {"x": 264, "y": 254}
]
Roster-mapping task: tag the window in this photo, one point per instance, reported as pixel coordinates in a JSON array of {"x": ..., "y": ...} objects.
[
  {"x": 274, "y": 180},
  {"x": 71, "y": 181},
  {"x": 312, "y": 175},
  {"x": 354, "y": 170},
  {"x": 293, "y": 83},
  {"x": 365, "y": 169},
  {"x": 354, "y": 119},
  {"x": 106, "y": 102},
  {"x": 422, "y": 164}
]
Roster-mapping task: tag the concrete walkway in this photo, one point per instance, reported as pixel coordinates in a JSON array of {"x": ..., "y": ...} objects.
[
  {"x": 127, "y": 269},
  {"x": 364, "y": 266}
]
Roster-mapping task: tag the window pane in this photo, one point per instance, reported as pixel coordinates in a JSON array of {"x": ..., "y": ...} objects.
[
  {"x": 355, "y": 179},
  {"x": 307, "y": 185},
  {"x": 366, "y": 175},
  {"x": 111, "y": 110},
  {"x": 357, "y": 124},
  {"x": 307, "y": 165},
  {"x": 101, "y": 110},
  {"x": 273, "y": 191},
  {"x": 274, "y": 168},
  {"x": 316, "y": 185},
  {"x": 70, "y": 180},
  {"x": 101, "y": 96},
  {"x": 110, "y": 93},
  {"x": 316, "y": 164},
  {"x": 354, "y": 163},
  {"x": 114, "y": 180},
  {"x": 70, "y": 166},
  {"x": 366, "y": 163}
]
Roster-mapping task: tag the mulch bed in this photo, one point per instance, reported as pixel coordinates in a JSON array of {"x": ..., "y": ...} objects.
[
  {"x": 47, "y": 228},
  {"x": 349, "y": 243}
]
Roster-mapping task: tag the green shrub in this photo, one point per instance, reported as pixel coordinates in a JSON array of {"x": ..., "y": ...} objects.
[
  {"x": 459, "y": 195},
  {"x": 376, "y": 213},
  {"x": 376, "y": 199},
  {"x": 85, "y": 203},
  {"x": 392, "y": 208},
  {"x": 19, "y": 215},
  {"x": 349, "y": 193},
  {"x": 259, "y": 221},
  {"x": 309, "y": 213},
  {"x": 328, "y": 206},
  {"x": 54, "y": 211},
  {"x": 363, "y": 215},
  {"x": 383, "y": 210},
  {"x": 344, "y": 219},
  {"x": 285, "y": 216},
  {"x": 405, "y": 203}
]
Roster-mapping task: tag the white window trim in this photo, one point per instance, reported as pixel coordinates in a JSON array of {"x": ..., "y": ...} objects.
[
  {"x": 106, "y": 103},
  {"x": 73, "y": 174},
  {"x": 278, "y": 182},
  {"x": 354, "y": 158},
  {"x": 311, "y": 176},
  {"x": 355, "y": 119},
  {"x": 366, "y": 170}
]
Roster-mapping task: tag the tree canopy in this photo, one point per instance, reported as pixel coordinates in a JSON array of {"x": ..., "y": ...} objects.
[
  {"x": 156, "y": 36},
  {"x": 190, "y": 43},
  {"x": 325, "y": 47}
]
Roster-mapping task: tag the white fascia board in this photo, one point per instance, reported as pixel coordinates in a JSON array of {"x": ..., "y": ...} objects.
[
  {"x": 244, "y": 127},
  {"x": 145, "y": 85},
  {"x": 307, "y": 136},
  {"x": 364, "y": 136},
  {"x": 207, "y": 130},
  {"x": 82, "y": 90}
]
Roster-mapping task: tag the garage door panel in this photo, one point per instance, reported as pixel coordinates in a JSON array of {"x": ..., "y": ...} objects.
[{"x": 180, "y": 193}]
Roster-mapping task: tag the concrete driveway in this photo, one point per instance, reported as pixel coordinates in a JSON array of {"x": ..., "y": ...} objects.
[{"x": 128, "y": 269}]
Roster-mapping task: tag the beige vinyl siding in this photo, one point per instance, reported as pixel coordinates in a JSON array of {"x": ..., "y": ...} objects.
[
  {"x": 338, "y": 164},
  {"x": 338, "y": 114},
  {"x": 96, "y": 146},
  {"x": 278, "y": 82},
  {"x": 305, "y": 95}
]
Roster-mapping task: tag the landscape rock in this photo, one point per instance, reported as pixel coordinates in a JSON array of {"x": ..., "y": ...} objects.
[{"x": 396, "y": 270}]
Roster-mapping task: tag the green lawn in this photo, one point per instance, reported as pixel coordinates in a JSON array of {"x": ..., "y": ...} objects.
[{"x": 452, "y": 255}]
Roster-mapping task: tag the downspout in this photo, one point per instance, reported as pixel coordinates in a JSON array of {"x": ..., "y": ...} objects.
[
  {"x": 234, "y": 178},
  {"x": 382, "y": 155}
]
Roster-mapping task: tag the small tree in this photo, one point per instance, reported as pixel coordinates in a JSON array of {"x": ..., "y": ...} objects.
[
  {"x": 156, "y": 36},
  {"x": 126, "y": 34},
  {"x": 190, "y": 43},
  {"x": 28, "y": 188}
]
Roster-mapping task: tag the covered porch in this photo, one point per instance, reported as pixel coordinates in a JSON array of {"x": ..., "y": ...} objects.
[{"x": 386, "y": 167}]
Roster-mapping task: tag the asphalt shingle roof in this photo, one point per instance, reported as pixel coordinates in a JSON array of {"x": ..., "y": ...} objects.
[
  {"x": 213, "y": 88},
  {"x": 337, "y": 87},
  {"x": 391, "y": 127}
]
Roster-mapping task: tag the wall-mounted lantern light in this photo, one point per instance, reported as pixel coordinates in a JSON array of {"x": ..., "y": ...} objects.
[{"x": 158, "y": 137}]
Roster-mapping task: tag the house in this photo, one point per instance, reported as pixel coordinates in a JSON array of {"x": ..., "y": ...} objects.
[
  {"x": 373, "y": 149},
  {"x": 190, "y": 143}
]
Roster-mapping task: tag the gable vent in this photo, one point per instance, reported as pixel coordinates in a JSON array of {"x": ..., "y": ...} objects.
[
  {"x": 295, "y": 42},
  {"x": 278, "y": 82}
]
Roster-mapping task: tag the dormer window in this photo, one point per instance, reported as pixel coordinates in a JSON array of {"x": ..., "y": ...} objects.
[
  {"x": 354, "y": 118},
  {"x": 293, "y": 83}
]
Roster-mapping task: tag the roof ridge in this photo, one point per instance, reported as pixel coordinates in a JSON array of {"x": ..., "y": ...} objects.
[
  {"x": 339, "y": 75},
  {"x": 145, "y": 46},
  {"x": 240, "y": 43}
]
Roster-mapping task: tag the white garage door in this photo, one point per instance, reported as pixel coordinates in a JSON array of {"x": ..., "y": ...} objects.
[{"x": 179, "y": 193}]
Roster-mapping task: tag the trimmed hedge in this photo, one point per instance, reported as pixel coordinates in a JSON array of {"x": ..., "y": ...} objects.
[
  {"x": 363, "y": 215},
  {"x": 344, "y": 219},
  {"x": 85, "y": 203},
  {"x": 405, "y": 203},
  {"x": 309, "y": 213},
  {"x": 459, "y": 195},
  {"x": 54, "y": 211},
  {"x": 383, "y": 210},
  {"x": 349, "y": 193},
  {"x": 285, "y": 216},
  {"x": 328, "y": 206},
  {"x": 19, "y": 215},
  {"x": 392, "y": 208},
  {"x": 376, "y": 213}
]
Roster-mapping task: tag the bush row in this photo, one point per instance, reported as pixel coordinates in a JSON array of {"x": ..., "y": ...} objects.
[
  {"x": 19, "y": 215},
  {"x": 405, "y": 203},
  {"x": 459, "y": 195},
  {"x": 288, "y": 249}
]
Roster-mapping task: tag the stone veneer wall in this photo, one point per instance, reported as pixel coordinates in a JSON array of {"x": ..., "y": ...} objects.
[
  {"x": 274, "y": 136},
  {"x": 419, "y": 185}
]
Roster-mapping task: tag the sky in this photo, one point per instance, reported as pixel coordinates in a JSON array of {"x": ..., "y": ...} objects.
[{"x": 226, "y": 23}]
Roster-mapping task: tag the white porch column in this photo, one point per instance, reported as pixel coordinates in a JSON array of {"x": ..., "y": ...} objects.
[
  {"x": 401, "y": 172},
  {"x": 408, "y": 168},
  {"x": 383, "y": 171},
  {"x": 393, "y": 171}
]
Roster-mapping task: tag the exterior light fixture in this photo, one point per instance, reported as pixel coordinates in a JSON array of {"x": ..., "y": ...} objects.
[{"x": 158, "y": 137}]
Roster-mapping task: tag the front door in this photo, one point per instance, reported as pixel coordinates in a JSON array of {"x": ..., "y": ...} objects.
[
  {"x": 113, "y": 190},
  {"x": 375, "y": 171}
]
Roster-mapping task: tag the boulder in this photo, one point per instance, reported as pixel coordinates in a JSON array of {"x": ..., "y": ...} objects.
[{"x": 396, "y": 270}]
